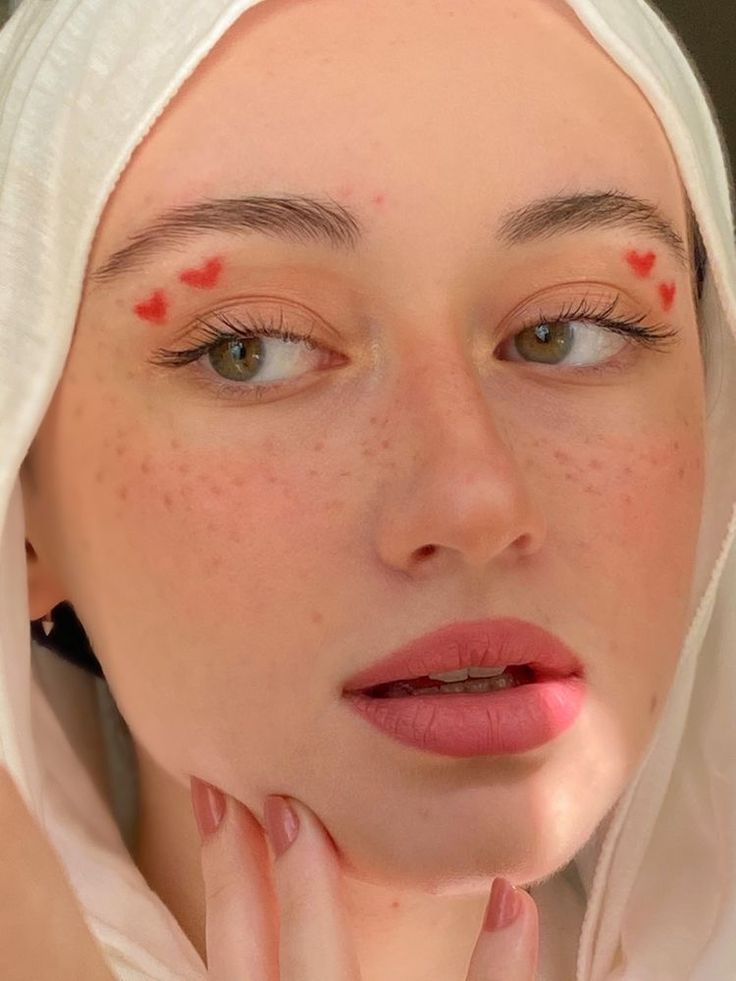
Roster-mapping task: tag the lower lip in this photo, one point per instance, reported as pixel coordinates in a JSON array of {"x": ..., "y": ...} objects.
[{"x": 512, "y": 720}]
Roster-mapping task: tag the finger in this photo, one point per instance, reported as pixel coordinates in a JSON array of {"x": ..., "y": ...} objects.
[
  {"x": 240, "y": 903},
  {"x": 508, "y": 946},
  {"x": 316, "y": 943}
]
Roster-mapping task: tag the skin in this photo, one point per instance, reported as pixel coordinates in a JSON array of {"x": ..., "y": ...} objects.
[{"x": 234, "y": 562}]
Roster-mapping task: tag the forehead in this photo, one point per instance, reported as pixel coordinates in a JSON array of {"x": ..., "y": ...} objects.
[{"x": 444, "y": 109}]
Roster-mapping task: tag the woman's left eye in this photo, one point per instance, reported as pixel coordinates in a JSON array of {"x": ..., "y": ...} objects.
[{"x": 249, "y": 357}]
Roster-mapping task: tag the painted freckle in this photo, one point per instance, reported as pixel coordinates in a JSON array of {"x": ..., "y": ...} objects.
[
  {"x": 313, "y": 473},
  {"x": 385, "y": 444},
  {"x": 238, "y": 481},
  {"x": 167, "y": 501},
  {"x": 561, "y": 456},
  {"x": 319, "y": 445},
  {"x": 216, "y": 489},
  {"x": 628, "y": 471},
  {"x": 100, "y": 476},
  {"x": 595, "y": 465},
  {"x": 123, "y": 493},
  {"x": 204, "y": 277},
  {"x": 174, "y": 444},
  {"x": 642, "y": 263},
  {"x": 317, "y": 617},
  {"x": 653, "y": 704},
  {"x": 183, "y": 468},
  {"x": 681, "y": 472},
  {"x": 154, "y": 308},
  {"x": 145, "y": 467},
  {"x": 667, "y": 293}
]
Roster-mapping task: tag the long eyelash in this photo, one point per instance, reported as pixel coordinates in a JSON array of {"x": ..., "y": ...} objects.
[
  {"x": 211, "y": 335},
  {"x": 655, "y": 337}
]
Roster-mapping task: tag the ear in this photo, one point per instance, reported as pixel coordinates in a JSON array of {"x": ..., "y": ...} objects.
[
  {"x": 44, "y": 588},
  {"x": 44, "y": 591}
]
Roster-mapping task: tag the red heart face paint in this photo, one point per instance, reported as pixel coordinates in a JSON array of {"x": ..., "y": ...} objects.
[
  {"x": 204, "y": 277},
  {"x": 667, "y": 293},
  {"x": 154, "y": 308},
  {"x": 642, "y": 263}
]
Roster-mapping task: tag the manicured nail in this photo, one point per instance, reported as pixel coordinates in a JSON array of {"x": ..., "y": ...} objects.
[
  {"x": 208, "y": 804},
  {"x": 504, "y": 905},
  {"x": 282, "y": 823}
]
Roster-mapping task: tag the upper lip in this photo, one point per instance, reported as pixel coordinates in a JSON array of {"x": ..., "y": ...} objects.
[{"x": 485, "y": 643}]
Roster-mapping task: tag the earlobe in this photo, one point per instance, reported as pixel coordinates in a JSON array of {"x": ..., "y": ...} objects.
[{"x": 44, "y": 592}]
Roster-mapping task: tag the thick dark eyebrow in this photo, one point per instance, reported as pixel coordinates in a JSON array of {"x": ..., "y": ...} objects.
[{"x": 306, "y": 219}]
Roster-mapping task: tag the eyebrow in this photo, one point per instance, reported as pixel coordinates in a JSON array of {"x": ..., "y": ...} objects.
[{"x": 306, "y": 219}]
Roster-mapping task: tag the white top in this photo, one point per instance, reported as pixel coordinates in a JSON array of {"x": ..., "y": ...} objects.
[{"x": 652, "y": 896}]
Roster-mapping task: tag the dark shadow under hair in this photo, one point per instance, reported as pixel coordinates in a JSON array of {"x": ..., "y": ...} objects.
[{"x": 68, "y": 638}]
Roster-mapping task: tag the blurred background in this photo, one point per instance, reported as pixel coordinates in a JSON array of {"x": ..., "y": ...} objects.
[{"x": 708, "y": 28}]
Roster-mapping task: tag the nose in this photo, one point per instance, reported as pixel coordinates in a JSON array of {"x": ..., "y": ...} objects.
[{"x": 457, "y": 490}]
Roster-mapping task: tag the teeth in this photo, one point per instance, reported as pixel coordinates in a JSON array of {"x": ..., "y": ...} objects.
[{"x": 464, "y": 673}]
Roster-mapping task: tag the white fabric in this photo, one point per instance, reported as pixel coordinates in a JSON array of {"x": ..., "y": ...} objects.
[{"x": 651, "y": 896}]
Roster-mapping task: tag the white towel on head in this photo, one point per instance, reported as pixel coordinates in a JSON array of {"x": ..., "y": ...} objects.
[{"x": 81, "y": 82}]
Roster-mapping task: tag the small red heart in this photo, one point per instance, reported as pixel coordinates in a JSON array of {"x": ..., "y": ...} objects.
[
  {"x": 641, "y": 263},
  {"x": 154, "y": 308},
  {"x": 203, "y": 277},
  {"x": 667, "y": 292}
]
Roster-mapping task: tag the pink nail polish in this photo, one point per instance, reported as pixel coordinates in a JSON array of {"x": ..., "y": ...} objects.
[
  {"x": 504, "y": 905},
  {"x": 282, "y": 823},
  {"x": 208, "y": 804}
]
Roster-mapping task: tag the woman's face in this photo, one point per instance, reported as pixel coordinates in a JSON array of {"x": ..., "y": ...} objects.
[{"x": 242, "y": 534}]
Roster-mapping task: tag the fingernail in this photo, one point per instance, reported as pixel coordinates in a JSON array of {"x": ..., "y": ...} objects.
[
  {"x": 282, "y": 823},
  {"x": 504, "y": 905},
  {"x": 208, "y": 804}
]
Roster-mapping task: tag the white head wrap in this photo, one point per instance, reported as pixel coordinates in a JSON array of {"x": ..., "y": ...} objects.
[{"x": 81, "y": 83}]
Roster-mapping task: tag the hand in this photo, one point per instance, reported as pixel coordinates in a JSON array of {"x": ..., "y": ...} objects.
[
  {"x": 298, "y": 931},
  {"x": 43, "y": 935}
]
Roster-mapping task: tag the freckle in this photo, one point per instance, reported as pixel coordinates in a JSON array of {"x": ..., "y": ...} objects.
[
  {"x": 379, "y": 199},
  {"x": 676, "y": 445},
  {"x": 120, "y": 449},
  {"x": 395, "y": 904},
  {"x": 627, "y": 500},
  {"x": 145, "y": 467},
  {"x": 237, "y": 481},
  {"x": 174, "y": 444},
  {"x": 317, "y": 617},
  {"x": 345, "y": 473},
  {"x": 628, "y": 471},
  {"x": 561, "y": 456},
  {"x": 271, "y": 478},
  {"x": 100, "y": 476},
  {"x": 215, "y": 564},
  {"x": 167, "y": 501},
  {"x": 319, "y": 445},
  {"x": 653, "y": 704},
  {"x": 78, "y": 410},
  {"x": 313, "y": 473},
  {"x": 368, "y": 453},
  {"x": 123, "y": 493},
  {"x": 595, "y": 465},
  {"x": 569, "y": 476},
  {"x": 211, "y": 526},
  {"x": 335, "y": 505},
  {"x": 385, "y": 444},
  {"x": 183, "y": 468},
  {"x": 681, "y": 472},
  {"x": 373, "y": 420},
  {"x": 216, "y": 489}
]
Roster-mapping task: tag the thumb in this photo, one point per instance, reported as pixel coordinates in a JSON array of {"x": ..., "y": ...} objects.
[{"x": 508, "y": 946}]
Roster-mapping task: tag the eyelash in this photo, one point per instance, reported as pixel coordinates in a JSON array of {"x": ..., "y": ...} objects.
[{"x": 653, "y": 337}]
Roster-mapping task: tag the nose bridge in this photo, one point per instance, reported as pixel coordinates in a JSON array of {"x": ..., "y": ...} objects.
[{"x": 443, "y": 391}]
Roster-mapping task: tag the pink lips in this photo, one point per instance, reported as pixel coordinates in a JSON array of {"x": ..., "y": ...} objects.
[{"x": 483, "y": 643}]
